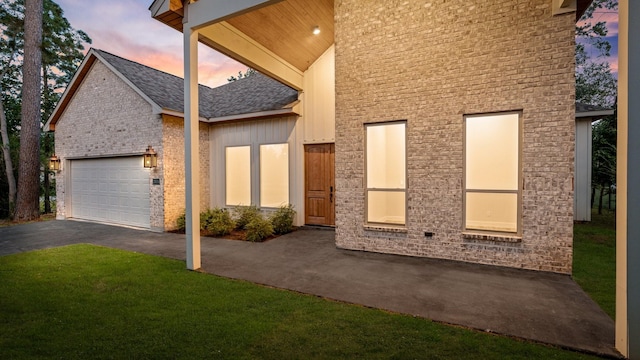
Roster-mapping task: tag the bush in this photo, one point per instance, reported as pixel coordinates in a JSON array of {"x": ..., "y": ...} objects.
[
  {"x": 282, "y": 219},
  {"x": 181, "y": 222},
  {"x": 258, "y": 229},
  {"x": 216, "y": 221},
  {"x": 244, "y": 214}
]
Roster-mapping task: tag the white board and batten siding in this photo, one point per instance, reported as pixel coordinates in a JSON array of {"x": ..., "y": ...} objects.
[
  {"x": 110, "y": 190},
  {"x": 319, "y": 100},
  {"x": 254, "y": 133},
  {"x": 315, "y": 125},
  {"x": 582, "y": 195}
]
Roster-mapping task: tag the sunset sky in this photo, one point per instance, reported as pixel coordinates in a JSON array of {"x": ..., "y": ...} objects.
[
  {"x": 125, "y": 28},
  {"x": 611, "y": 17}
]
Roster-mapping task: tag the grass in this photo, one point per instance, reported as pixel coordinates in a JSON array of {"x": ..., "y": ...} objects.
[
  {"x": 594, "y": 259},
  {"x": 85, "y": 301}
]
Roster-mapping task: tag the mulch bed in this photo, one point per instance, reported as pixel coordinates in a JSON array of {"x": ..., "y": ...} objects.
[{"x": 240, "y": 235}]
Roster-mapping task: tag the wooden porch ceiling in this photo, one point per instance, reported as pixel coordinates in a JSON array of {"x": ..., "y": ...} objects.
[{"x": 284, "y": 28}]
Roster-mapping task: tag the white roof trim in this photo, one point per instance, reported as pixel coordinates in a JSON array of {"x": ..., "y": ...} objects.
[
  {"x": 158, "y": 7},
  {"x": 596, "y": 113},
  {"x": 259, "y": 114},
  {"x": 155, "y": 108},
  {"x": 66, "y": 91},
  {"x": 179, "y": 114}
]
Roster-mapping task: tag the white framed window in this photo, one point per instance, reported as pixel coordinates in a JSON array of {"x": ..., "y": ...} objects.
[
  {"x": 492, "y": 191},
  {"x": 274, "y": 175},
  {"x": 386, "y": 173},
  {"x": 238, "y": 175}
]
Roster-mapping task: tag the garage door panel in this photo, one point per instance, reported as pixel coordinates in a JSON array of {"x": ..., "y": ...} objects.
[{"x": 114, "y": 190}]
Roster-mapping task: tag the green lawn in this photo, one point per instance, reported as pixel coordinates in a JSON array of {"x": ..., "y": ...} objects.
[
  {"x": 594, "y": 259},
  {"x": 90, "y": 302}
]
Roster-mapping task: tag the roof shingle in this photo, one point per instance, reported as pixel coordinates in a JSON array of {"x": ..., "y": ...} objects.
[{"x": 252, "y": 94}]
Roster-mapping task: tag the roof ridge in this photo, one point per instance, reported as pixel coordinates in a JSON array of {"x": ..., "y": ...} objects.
[{"x": 100, "y": 51}]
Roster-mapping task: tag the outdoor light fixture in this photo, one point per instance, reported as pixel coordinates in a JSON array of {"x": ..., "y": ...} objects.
[
  {"x": 150, "y": 158},
  {"x": 54, "y": 163},
  {"x": 316, "y": 30}
]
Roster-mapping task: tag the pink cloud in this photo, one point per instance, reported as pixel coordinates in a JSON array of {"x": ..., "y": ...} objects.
[{"x": 125, "y": 28}]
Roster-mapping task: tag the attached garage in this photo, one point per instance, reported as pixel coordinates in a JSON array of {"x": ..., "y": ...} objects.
[{"x": 112, "y": 190}]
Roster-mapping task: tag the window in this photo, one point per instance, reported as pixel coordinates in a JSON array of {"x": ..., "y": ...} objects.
[
  {"x": 274, "y": 175},
  {"x": 492, "y": 172},
  {"x": 238, "y": 175},
  {"x": 386, "y": 178}
]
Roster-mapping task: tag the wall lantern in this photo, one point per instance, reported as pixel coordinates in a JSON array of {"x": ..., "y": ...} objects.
[
  {"x": 54, "y": 163},
  {"x": 150, "y": 158}
]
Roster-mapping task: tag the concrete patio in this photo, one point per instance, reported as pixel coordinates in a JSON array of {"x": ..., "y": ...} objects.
[{"x": 543, "y": 307}]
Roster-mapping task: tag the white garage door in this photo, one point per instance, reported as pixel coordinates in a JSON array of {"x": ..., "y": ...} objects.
[{"x": 113, "y": 190}]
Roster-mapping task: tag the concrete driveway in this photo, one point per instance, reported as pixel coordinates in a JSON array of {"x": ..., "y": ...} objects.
[{"x": 544, "y": 307}]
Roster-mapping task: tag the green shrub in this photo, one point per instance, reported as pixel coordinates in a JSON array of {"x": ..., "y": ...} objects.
[
  {"x": 216, "y": 221},
  {"x": 181, "y": 222},
  {"x": 258, "y": 229},
  {"x": 282, "y": 219},
  {"x": 244, "y": 214}
]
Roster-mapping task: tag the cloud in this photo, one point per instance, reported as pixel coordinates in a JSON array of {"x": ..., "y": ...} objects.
[{"x": 125, "y": 28}]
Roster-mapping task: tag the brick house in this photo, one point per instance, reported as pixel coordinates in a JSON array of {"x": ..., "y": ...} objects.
[
  {"x": 114, "y": 108},
  {"x": 435, "y": 129},
  {"x": 453, "y": 122}
]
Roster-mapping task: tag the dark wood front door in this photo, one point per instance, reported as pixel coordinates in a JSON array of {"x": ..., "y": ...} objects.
[{"x": 319, "y": 184}]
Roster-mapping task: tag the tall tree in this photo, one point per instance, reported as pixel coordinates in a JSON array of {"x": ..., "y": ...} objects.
[
  {"x": 62, "y": 48},
  {"x": 11, "y": 44},
  {"x": 595, "y": 83},
  {"x": 27, "y": 200},
  {"x": 62, "y": 52}
]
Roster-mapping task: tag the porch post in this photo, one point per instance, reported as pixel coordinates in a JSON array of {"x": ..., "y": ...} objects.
[
  {"x": 191, "y": 147},
  {"x": 628, "y": 183}
]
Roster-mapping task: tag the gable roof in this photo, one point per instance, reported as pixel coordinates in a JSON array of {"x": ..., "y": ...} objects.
[
  {"x": 251, "y": 97},
  {"x": 164, "y": 89}
]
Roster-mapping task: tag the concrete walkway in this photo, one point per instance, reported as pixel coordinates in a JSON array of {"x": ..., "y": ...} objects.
[{"x": 549, "y": 308}]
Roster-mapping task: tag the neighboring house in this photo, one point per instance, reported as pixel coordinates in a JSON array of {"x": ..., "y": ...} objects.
[
  {"x": 114, "y": 108},
  {"x": 585, "y": 116}
]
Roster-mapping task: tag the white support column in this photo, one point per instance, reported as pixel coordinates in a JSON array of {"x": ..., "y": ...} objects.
[
  {"x": 628, "y": 183},
  {"x": 191, "y": 147}
]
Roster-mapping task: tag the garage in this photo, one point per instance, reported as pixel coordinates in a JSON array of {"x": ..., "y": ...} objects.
[{"x": 111, "y": 190}]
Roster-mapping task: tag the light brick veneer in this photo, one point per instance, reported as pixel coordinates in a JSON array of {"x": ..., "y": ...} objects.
[
  {"x": 173, "y": 157},
  {"x": 432, "y": 62},
  {"x": 107, "y": 118}
]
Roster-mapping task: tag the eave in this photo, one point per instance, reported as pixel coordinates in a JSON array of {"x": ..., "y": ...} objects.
[{"x": 593, "y": 114}]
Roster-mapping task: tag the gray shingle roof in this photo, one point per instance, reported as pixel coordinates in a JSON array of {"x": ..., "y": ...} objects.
[
  {"x": 249, "y": 95},
  {"x": 582, "y": 107}
]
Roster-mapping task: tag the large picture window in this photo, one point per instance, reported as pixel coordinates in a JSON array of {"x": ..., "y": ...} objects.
[
  {"x": 238, "y": 175},
  {"x": 386, "y": 173},
  {"x": 492, "y": 172},
  {"x": 274, "y": 175}
]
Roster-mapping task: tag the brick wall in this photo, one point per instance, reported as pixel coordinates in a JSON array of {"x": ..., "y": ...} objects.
[
  {"x": 173, "y": 157},
  {"x": 108, "y": 118},
  {"x": 432, "y": 62}
]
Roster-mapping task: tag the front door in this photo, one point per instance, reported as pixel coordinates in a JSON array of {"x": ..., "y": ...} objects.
[{"x": 319, "y": 184}]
